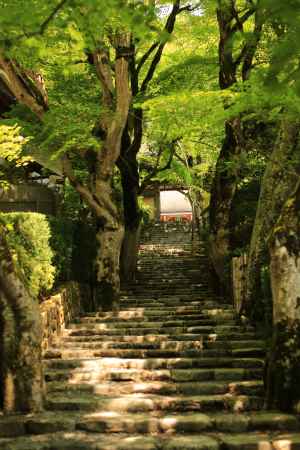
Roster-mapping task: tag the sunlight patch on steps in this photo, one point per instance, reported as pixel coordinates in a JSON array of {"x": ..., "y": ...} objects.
[
  {"x": 282, "y": 445},
  {"x": 133, "y": 402},
  {"x": 145, "y": 387},
  {"x": 168, "y": 423},
  {"x": 125, "y": 314},
  {"x": 212, "y": 337},
  {"x": 102, "y": 415},
  {"x": 264, "y": 445},
  {"x": 277, "y": 445}
]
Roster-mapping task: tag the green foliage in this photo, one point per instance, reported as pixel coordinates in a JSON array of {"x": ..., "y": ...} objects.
[
  {"x": 11, "y": 151},
  {"x": 29, "y": 240},
  {"x": 71, "y": 203},
  {"x": 61, "y": 243},
  {"x": 42, "y": 248},
  {"x": 283, "y": 17},
  {"x": 75, "y": 104},
  {"x": 145, "y": 211}
]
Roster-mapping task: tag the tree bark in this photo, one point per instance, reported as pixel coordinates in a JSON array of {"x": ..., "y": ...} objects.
[
  {"x": 278, "y": 181},
  {"x": 26, "y": 87},
  {"x": 283, "y": 389},
  {"x": 132, "y": 219},
  {"x": 232, "y": 67},
  {"x": 21, "y": 340},
  {"x": 107, "y": 288},
  {"x": 222, "y": 194},
  {"x": 22, "y": 381},
  {"x": 132, "y": 141},
  {"x": 98, "y": 194},
  {"x": 130, "y": 178}
]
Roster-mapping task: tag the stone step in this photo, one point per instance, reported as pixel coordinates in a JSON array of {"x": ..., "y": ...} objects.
[
  {"x": 189, "y": 274},
  {"x": 90, "y": 336},
  {"x": 79, "y": 440},
  {"x": 154, "y": 353},
  {"x": 179, "y": 297},
  {"x": 167, "y": 302},
  {"x": 156, "y": 363},
  {"x": 132, "y": 301},
  {"x": 166, "y": 279},
  {"x": 151, "y": 402},
  {"x": 191, "y": 258},
  {"x": 156, "y": 345},
  {"x": 156, "y": 328},
  {"x": 86, "y": 374},
  {"x": 145, "y": 322},
  {"x": 205, "y": 308},
  {"x": 254, "y": 387},
  {"x": 140, "y": 314},
  {"x": 39, "y": 424},
  {"x": 188, "y": 423},
  {"x": 170, "y": 265},
  {"x": 168, "y": 288}
]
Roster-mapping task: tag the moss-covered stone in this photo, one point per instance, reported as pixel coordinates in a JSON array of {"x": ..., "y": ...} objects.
[
  {"x": 191, "y": 443},
  {"x": 236, "y": 423}
]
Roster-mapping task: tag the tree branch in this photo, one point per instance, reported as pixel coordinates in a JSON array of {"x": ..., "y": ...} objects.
[
  {"x": 15, "y": 83},
  {"x": 241, "y": 20},
  {"x": 103, "y": 71},
  {"x": 158, "y": 169},
  {"x": 190, "y": 8},
  {"x": 42, "y": 28},
  {"x": 252, "y": 44},
  {"x": 146, "y": 56},
  {"x": 169, "y": 28}
]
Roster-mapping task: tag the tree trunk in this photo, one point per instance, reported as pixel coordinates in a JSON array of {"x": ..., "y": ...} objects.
[
  {"x": 278, "y": 182},
  {"x": 107, "y": 289},
  {"x": 128, "y": 166},
  {"x": 129, "y": 253},
  {"x": 24, "y": 86},
  {"x": 232, "y": 67},
  {"x": 22, "y": 374},
  {"x": 223, "y": 191},
  {"x": 283, "y": 389},
  {"x": 98, "y": 195}
]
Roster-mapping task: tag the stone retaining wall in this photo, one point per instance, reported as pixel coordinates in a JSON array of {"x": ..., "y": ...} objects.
[
  {"x": 28, "y": 197},
  {"x": 59, "y": 310}
]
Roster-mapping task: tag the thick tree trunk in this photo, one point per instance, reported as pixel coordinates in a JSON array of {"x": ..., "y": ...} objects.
[
  {"x": 98, "y": 195},
  {"x": 283, "y": 389},
  {"x": 278, "y": 181},
  {"x": 223, "y": 191},
  {"x": 232, "y": 67},
  {"x": 22, "y": 374},
  {"x": 129, "y": 253},
  {"x": 132, "y": 215},
  {"x": 107, "y": 289}
]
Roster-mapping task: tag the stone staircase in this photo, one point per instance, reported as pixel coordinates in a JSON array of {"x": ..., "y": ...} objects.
[{"x": 171, "y": 370}]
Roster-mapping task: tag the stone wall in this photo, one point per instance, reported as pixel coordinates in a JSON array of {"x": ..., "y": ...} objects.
[
  {"x": 59, "y": 310},
  {"x": 28, "y": 197}
]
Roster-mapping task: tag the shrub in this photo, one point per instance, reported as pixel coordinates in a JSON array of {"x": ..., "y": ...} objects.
[
  {"x": 146, "y": 211},
  {"x": 29, "y": 240}
]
